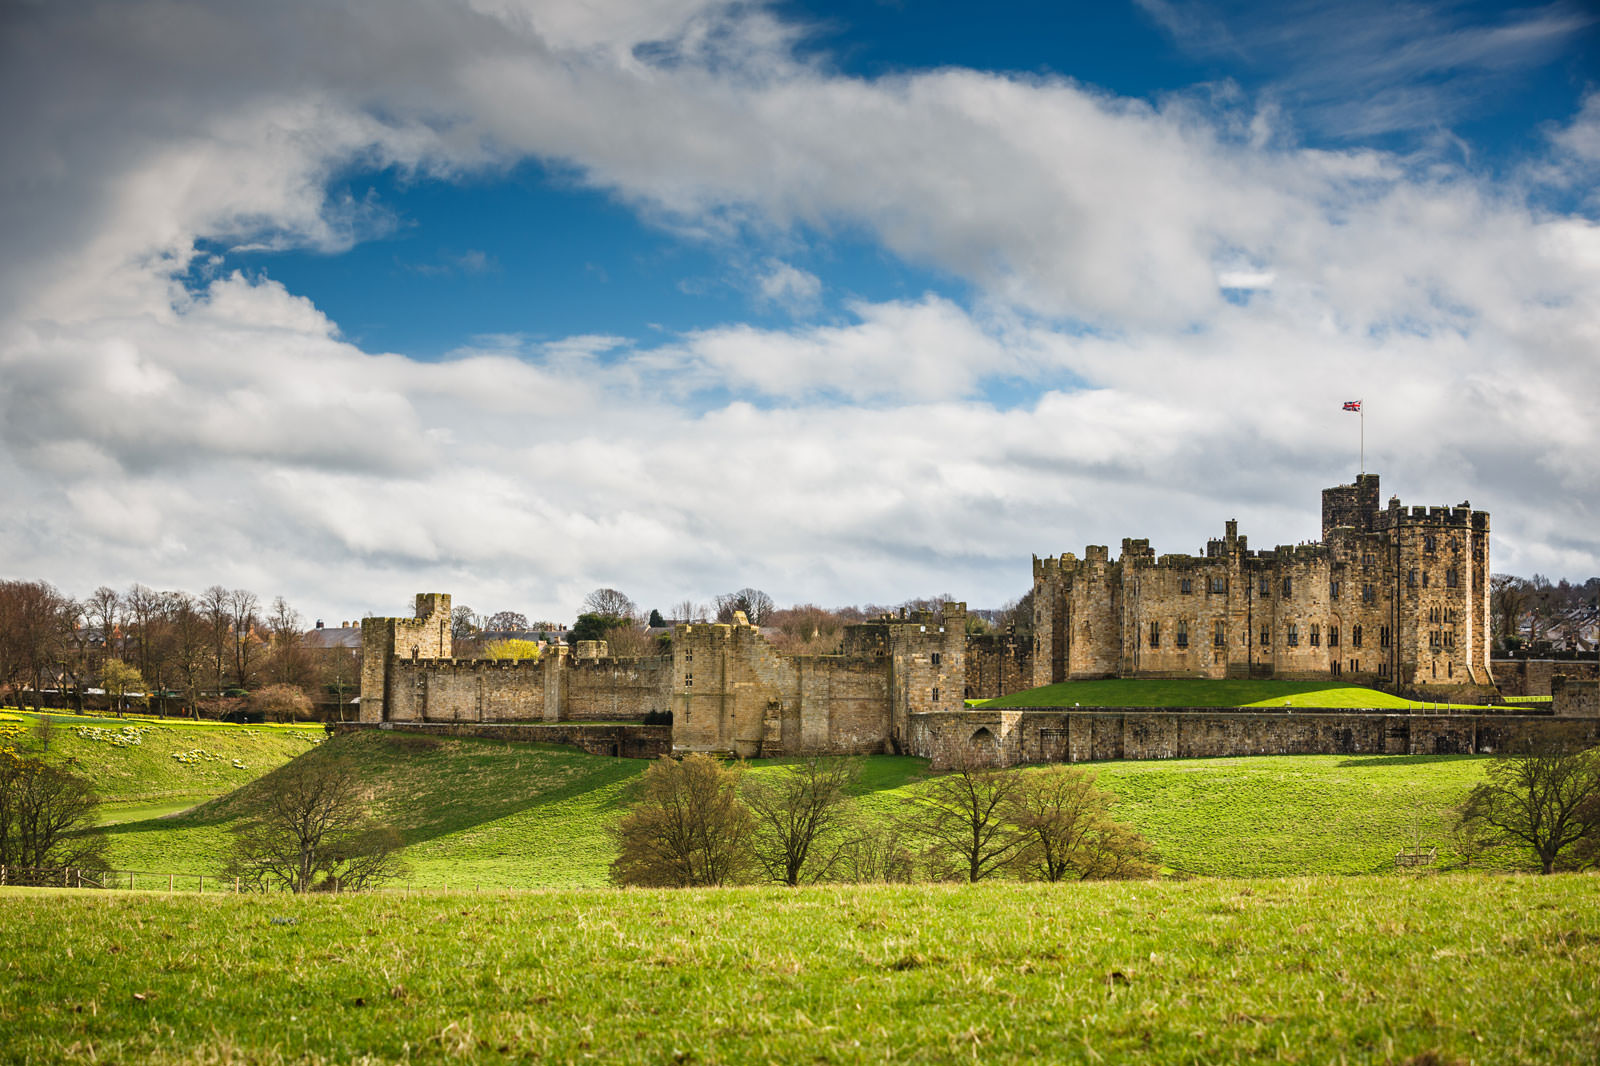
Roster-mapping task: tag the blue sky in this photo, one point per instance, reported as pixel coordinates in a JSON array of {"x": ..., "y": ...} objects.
[{"x": 855, "y": 303}]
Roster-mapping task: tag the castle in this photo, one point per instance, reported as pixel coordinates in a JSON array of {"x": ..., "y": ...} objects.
[{"x": 1391, "y": 596}]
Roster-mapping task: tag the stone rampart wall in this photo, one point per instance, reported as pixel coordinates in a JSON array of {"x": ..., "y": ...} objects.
[
  {"x": 1575, "y": 698},
  {"x": 610, "y": 690},
  {"x": 1531, "y": 677},
  {"x": 1010, "y": 737}
]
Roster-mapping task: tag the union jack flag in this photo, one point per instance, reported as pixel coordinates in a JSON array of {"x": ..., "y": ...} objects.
[{"x": 1352, "y": 405}]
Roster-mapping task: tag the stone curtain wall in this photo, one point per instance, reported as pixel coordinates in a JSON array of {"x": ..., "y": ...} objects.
[
  {"x": 1532, "y": 677},
  {"x": 614, "y": 689},
  {"x": 625, "y": 741},
  {"x": 997, "y": 665},
  {"x": 1574, "y": 697},
  {"x": 1011, "y": 737}
]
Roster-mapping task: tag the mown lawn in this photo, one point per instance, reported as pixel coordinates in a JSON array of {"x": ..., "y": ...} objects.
[
  {"x": 481, "y": 812},
  {"x": 1431, "y": 970},
  {"x": 1190, "y": 692}
]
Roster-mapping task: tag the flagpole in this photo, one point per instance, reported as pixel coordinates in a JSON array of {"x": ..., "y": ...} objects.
[{"x": 1363, "y": 438}]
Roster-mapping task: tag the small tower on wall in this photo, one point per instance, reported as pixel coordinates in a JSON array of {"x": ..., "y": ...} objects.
[{"x": 426, "y": 636}]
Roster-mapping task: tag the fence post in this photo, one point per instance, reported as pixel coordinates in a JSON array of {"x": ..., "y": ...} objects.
[
  {"x": 65, "y": 873},
  {"x": 235, "y": 886},
  {"x": 202, "y": 884},
  {"x": 80, "y": 877},
  {"x": 130, "y": 880},
  {"x": 169, "y": 882}
]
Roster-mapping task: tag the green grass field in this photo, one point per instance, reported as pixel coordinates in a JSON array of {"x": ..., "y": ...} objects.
[
  {"x": 1189, "y": 692},
  {"x": 480, "y": 812},
  {"x": 1424, "y": 971},
  {"x": 144, "y": 767}
]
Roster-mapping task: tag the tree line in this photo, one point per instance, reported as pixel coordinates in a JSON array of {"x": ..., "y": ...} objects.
[
  {"x": 1536, "y": 613},
  {"x": 699, "y": 821}
]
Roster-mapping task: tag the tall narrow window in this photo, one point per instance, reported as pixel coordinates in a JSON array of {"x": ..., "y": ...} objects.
[
  {"x": 1333, "y": 636},
  {"x": 1266, "y": 636},
  {"x": 1452, "y": 578},
  {"x": 1155, "y": 634},
  {"x": 1294, "y": 635},
  {"x": 1266, "y": 587},
  {"x": 1183, "y": 634},
  {"x": 1411, "y": 577},
  {"x": 1355, "y": 638},
  {"x": 1186, "y": 585},
  {"x": 1367, "y": 595},
  {"x": 1316, "y": 636},
  {"x": 1219, "y": 584},
  {"x": 934, "y": 658},
  {"x": 1288, "y": 587},
  {"x": 935, "y": 695},
  {"x": 1218, "y": 636},
  {"x": 1383, "y": 636},
  {"x": 1333, "y": 590},
  {"x": 1430, "y": 544}
]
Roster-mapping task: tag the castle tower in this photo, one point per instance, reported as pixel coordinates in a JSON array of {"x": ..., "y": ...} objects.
[{"x": 427, "y": 636}]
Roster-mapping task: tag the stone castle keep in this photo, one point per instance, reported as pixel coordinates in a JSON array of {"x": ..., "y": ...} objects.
[{"x": 1391, "y": 597}]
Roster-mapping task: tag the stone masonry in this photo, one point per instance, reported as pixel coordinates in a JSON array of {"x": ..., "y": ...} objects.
[{"x": 1390, "y": 596}]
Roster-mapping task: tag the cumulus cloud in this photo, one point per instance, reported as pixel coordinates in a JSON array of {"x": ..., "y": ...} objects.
[{"x": 230, "y": 433}]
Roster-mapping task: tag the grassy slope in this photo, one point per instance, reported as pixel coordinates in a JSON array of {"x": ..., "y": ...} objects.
[
  {"x": 1190, "y": 692},
  {"x": 1437, "y": 970},
  {"x": 131, "y": 760},
  {"x": 519, "y": 815}
]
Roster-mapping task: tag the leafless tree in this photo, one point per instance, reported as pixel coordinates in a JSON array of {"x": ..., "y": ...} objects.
[
  {"x": 216, "y": 607},
  {"x": 280, "y": 703},
  {"x": 463, "y": 622},
  {"x": 244, "y": 608},
  {"x": 313, "y": 829},
  {"x": 1068, "y": 829},
  {"x": 1543, "y": 798},
  {"x": 689, "y": 826},
  {"x": 610, "y": 602},
  {"x": 689, "y": 611},
  {"x": 103, "y": 609},
  {"x": 35, "y": 634},
  {"x": 47, "y": 817},
  {"x": 507, "y": 622},
  {"x": 802, "y": 813},
  {"x": 141, "y": 609},
  {"x": 963, "y": 815},
  {"x": 878, "y": 851},
  {"x": 756, "y": 605},
  {"x": 191, "y": 645},
  {"x": 807, "y": 629}
]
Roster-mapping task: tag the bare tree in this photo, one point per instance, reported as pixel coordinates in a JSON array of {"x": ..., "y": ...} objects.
[
  {"x": 216, "y": 607},
  {"x": 963, "y": 815},
  {"x": 340, "y": 674},
  {"x": 610, "y": 602},
  {"x": 280, "y": 703},
  {"x": 807, "y": 629},
  {"x": 104, "y": 611},
  {"x": 878, "y": 851},
  {"x": 689, "y": 826},
  {"x": 142, "y": 607},
  {"x": 756, "y": 605},
  {"x": 244, "y": 607},
  {"x": 47, "y": 817},
  {"x": 507, "y": 622},
  {"x": 802, "y": 812},
  {"x": 1069, "y": 831},
  {"x": 463, "y": 622},
  {"x": 191, "y": 645},
  {"x": 289, "y": 662},
  {"x": 313, "y": 829},
  {"x": 35, "y": 626},
  {"x": 1542, "y": 797},
  {"x": 689, "y": 611}
]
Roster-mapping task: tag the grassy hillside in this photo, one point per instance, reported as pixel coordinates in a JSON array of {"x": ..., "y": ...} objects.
[
  {"x": 144, "y": 767},
  {"x": 1433, "y": 970},
  {"x": 482, "y": 812},
  {"x": 1192, "y": 692}
]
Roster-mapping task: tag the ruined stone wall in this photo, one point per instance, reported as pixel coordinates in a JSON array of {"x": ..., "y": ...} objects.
[
  {"x": 997, "y": 664},
  {"x": 1574, "y": 698},
  {"x": 426, "y": 636},
  {"x": 1010, "y": 737},
  {"x": 1532, "y": 677}
]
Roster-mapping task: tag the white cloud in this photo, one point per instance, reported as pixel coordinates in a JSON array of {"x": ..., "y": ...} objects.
[{"x": 232, "y": 434}]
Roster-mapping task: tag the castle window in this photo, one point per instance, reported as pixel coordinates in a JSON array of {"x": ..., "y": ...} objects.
[
  {"x": 1411, "y": 578},
  {"x": 1355, "y": 636},
  {"x": 1383, "y": 636},
  {"x": 1367, "y": 595},
  {"x": 1452, "y": 578},
  {"x": 1430, "y": 544},
  {"x": 1367, "y": 559},
  {"x": 1266, "y": 636},
  {"x": 1266, "y": 587},
  {"x": 1333, "y": 590},
  {"x": 934, "y": 659},
  {"x": 1183, "y": 634},
  {"x": 1433, "y": 614},
  {"x": 688, "y": 680},
  {"x": 1219, "y": 584},
  {"x": 1316, "y": 636},
  {"x": 1424, "y": 579},
  {"x": 1449, "y": 669},
  {"x": 1334, "y": 667},
  {"x": 1355, "y": 666},
  {"x": 1288, "y": 587},
  {"x": 1333, "y": 636},
  {"x": 1186, "y": 585},
  {"x": 688, "y": 656},
  {"x": 1218, "y": 635},
  {"x": 1294, "y": 635},
  {"x": 1155, "y": 634},
  {"x": 1449, "y": 640},
  {"x": 1383, "y": 669},
  {"x": 935, "y": 695},
  {"x": 1434, "y": 639}
]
